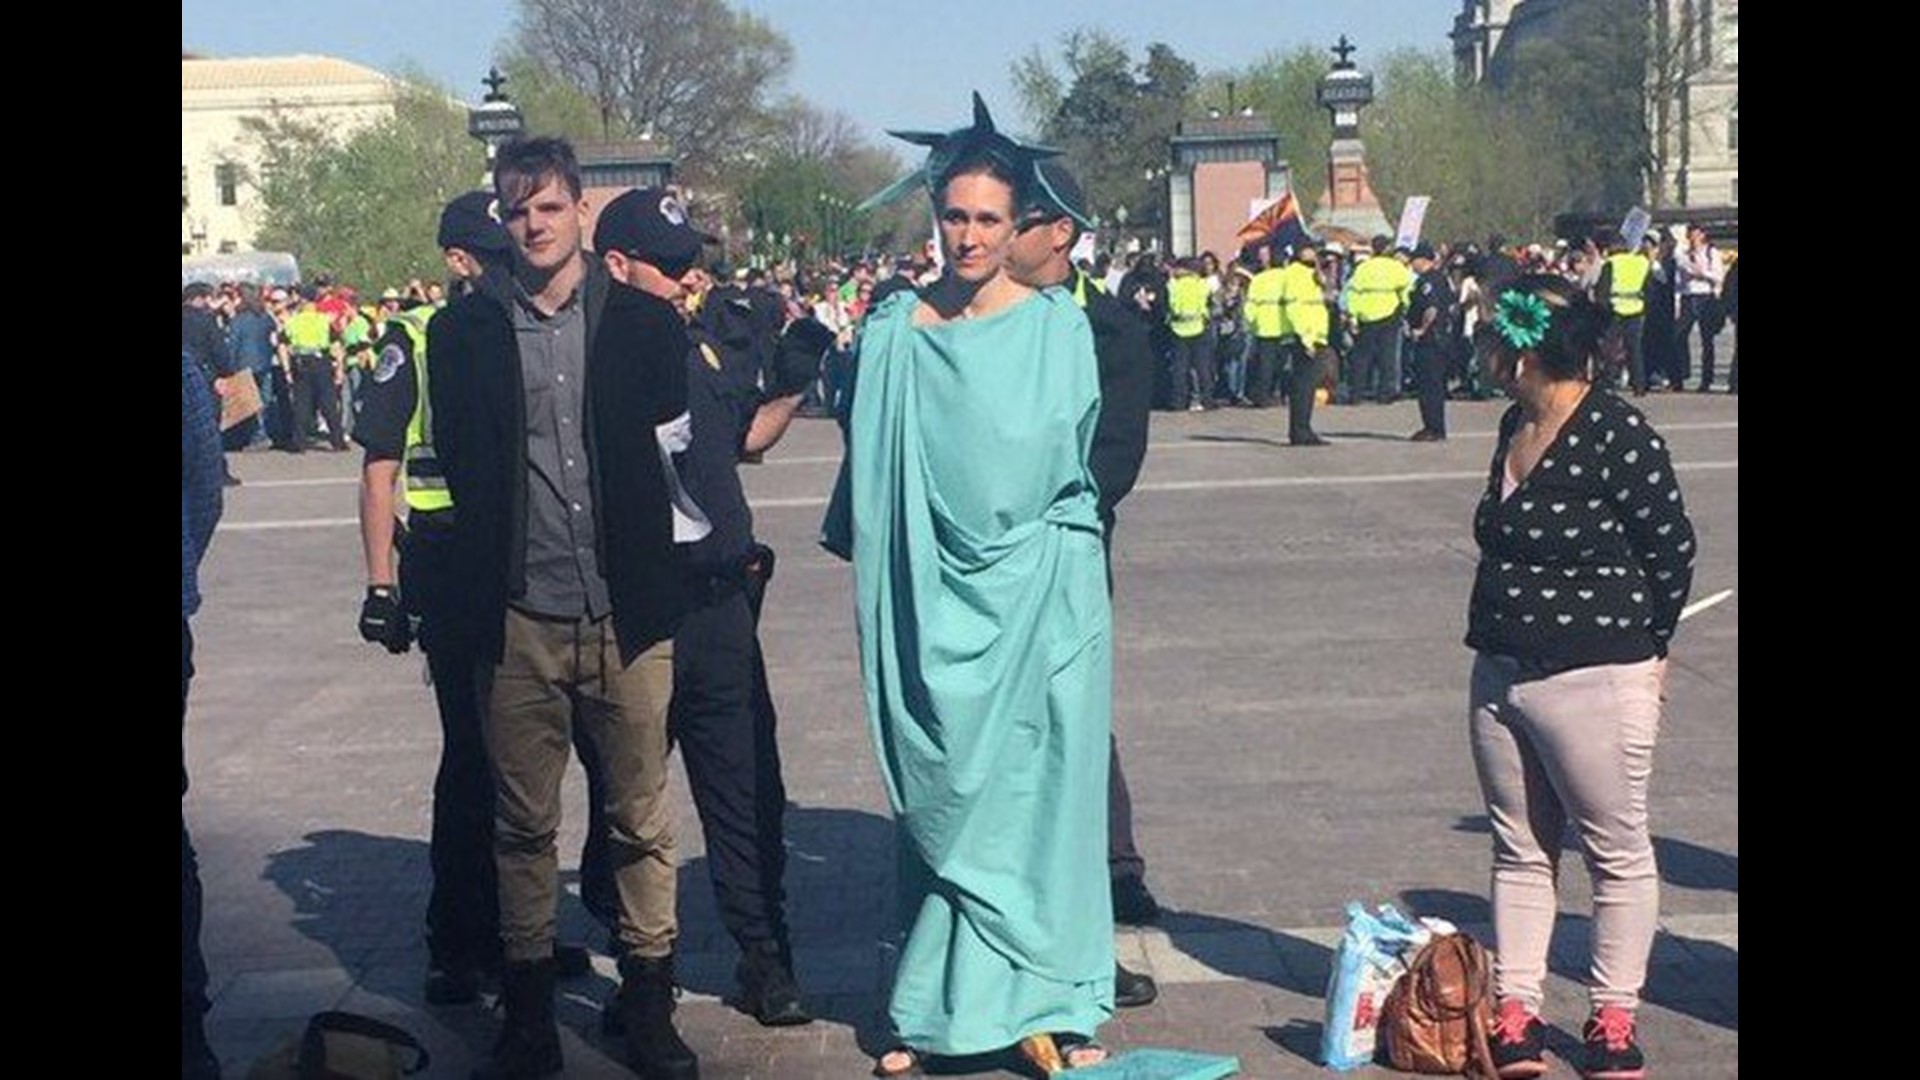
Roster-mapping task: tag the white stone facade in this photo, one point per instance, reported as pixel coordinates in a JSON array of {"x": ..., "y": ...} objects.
[
  {"x": 220, "y": 202},
  {"x": 1693, "y": 84}
]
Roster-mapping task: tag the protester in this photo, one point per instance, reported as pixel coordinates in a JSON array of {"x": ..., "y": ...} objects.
[
  {"x": 1586, "y": 559},
  {"x": 565, "y": 526},
  {"x": 967, "y": 488}
]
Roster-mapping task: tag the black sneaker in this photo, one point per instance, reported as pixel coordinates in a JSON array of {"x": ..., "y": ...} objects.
[
  {"x": 1611, "y": 1050},
  {"x": 1132, "y": 989},
  {"x": 1133, "y": 905},
  {"x": 1518, "y": 1041}
]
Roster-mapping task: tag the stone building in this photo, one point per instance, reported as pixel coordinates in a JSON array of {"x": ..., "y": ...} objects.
[
  {"x": 1692, "y": 84},
  {"x": 219, "y": 203}
]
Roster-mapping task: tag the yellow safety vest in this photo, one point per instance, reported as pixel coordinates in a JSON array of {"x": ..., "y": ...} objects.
[
  {"x": 1379, "y": 289},
  {"x": 1629, "y": 283},
  {"x": 1305, "y": 304},
  {"x": 1187, "y": 306},
  {"x": 1264, "y": 313},
  {"x": 426, "y": 485},
  {"x": 308, "y": 331}
]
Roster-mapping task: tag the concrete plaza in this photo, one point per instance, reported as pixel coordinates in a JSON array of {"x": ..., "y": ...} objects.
[{"x": 1290, "y": 704}]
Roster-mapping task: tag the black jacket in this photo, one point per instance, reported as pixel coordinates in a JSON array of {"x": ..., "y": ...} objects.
[
  {"x": 636, "y": 378},
  {"x": 1126, "y": 396},
  {"x": 202, "y": 337}
]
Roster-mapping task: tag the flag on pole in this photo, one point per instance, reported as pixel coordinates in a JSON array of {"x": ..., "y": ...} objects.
[{"x": 1278, "y": 225}]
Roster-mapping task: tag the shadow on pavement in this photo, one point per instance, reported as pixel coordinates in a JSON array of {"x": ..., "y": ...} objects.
[
  {"x": 363, "y": 897},
  {"x": 1260, "y": 955},
  {"x": 1682, "y": 863},
  {"x": 840, "y": 887},
  {"x": 1695, "y": 977},
  {"x": 1250, "y": 440}
]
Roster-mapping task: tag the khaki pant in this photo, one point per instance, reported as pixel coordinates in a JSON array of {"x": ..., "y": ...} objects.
[{"x": 556, "y": 673}]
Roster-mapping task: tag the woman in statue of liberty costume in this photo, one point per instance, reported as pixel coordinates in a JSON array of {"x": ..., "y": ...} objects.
[{"x": 967, "y": 508}]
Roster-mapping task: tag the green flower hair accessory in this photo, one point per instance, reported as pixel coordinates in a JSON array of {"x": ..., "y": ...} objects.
[{"x": 1522, "y": 319}]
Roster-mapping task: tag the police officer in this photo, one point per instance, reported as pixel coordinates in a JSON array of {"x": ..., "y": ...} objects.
[
  {"x": 1430, "y": 335},
  {"x": 1623, "y": 289},
  {"x": 1377, "y": 295},
  {"x": 722, "y": 712},
  {"x": 1266, "y": 321},
  {"x": 1187, "y": 323},
  {"x": 314, "y": 373},
  {"x": 1305, "y": 328},
  {"x": 1038, "y": 259},
  {"x": 394, "y": 428}
]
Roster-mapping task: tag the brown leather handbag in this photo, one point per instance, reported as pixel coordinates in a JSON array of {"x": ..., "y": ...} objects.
[{"x": 1437, "y": 1016}]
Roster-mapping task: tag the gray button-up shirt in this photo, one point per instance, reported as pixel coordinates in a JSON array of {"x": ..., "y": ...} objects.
[{"x": 563, "y": 576}]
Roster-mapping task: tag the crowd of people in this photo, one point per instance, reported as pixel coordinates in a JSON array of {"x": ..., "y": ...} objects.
[
  {"x": 563, "y": 425},
  {"x": 1428, "y": 305}
]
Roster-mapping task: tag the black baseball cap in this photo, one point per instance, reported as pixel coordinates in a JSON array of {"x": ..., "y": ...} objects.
[
  {"x": 650, "y": 224},
  {"x": 1422, "y": 250},
  {"x": 1058, "y": 194},
  {"x": 471, "y": 222}
]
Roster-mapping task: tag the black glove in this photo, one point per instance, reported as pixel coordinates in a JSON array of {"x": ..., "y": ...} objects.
[
  {"x": 797, "y": 356},
  {"x": 382, "y": 621}
]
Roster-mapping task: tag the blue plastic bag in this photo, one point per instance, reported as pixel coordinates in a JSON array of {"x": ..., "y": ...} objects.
[{"x": 1372, "y": 955}]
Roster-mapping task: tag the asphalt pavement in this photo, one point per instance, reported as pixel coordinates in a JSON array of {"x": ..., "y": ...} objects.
[{"x": 1290, "y": 703}]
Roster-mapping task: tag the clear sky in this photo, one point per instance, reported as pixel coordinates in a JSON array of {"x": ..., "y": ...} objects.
[{"x": 888, "y": 64}]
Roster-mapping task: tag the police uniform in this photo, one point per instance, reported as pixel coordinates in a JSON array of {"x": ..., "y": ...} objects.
[
  {"x": 309, "y": 336},
  {"x": 1187, "y": 325},
  {"x": 1377, "y": 296},
  {"x": 721, "y": 713},
  {"x": 1125, "y": 359},
  {"x": 393, "y": 424},
  {"x": 1433, "y": 350},
  {"x": 1623, "y": 285},
  {"x": 1305, "y": 326}
]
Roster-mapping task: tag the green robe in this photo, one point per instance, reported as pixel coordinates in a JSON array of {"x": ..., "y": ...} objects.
[{"x": 968, "y": 509}]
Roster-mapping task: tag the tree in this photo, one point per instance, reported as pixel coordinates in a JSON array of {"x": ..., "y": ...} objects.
[
  {"x": 551, "y": 105},
  {"x": 1582, "y": 92},
  {"x": 1679, "y": 50},
  {"x": 1279, "y": 87},
  {"x": 694, "y": 73},
  {"x": 365, "y": 208},
  {"x": 1111, "y": 117}
]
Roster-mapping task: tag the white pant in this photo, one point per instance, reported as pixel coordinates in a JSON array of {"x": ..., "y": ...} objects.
[{"x": 1577, "y": 745}]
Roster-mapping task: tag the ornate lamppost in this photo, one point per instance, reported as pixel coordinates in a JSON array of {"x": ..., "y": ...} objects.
[{"x": 495, "y": 121}]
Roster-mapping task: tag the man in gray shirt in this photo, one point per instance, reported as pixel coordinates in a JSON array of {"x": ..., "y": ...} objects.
[{"x": 555, "y": 414}]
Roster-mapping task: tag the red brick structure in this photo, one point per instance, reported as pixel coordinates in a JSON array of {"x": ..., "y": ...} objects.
[{"x": 1223, "y": 167}]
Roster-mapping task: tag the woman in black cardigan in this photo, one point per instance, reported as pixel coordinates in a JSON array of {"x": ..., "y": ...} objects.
[{"x": 1586, "y": 558}]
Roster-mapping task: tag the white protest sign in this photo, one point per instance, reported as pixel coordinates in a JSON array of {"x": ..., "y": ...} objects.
[{"x": 1412, "y": 216}]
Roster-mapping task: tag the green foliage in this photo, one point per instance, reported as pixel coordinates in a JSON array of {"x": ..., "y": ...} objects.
[
  {"x": 365, "y": 208},
  {"x": 1112, "y": 117},
  {"x": 696, "y": 74},
  {"x": 550, "y": 105},
  {"x": 1580, "y": 92},
  {"x": 1280, "y": 87}
]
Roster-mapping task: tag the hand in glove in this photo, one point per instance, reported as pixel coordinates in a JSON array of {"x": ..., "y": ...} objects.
[
  {"x": 796, "y": 361},
  {"x": 382, "y": 621}
]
